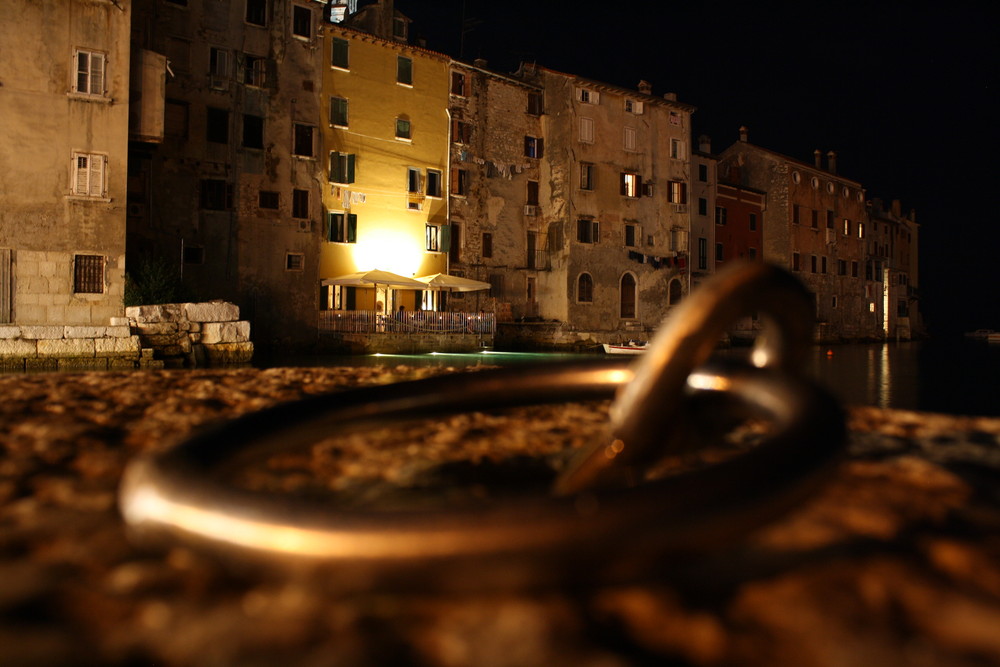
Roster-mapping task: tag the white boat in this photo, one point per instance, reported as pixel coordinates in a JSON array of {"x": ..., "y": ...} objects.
[{"x": 631, "y": 347}]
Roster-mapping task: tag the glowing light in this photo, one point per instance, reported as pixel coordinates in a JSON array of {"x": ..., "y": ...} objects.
[
  {"x": 708, "y": 382},
  {"x": 389, "y": 250}
]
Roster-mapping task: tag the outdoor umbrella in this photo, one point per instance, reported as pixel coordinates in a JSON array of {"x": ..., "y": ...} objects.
[
  {"x": 447, "y": 283},
  {"x": 376, "y": 277}
]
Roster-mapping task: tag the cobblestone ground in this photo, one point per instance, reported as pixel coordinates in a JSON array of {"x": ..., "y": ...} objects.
[{"x": 896, "y": 561}]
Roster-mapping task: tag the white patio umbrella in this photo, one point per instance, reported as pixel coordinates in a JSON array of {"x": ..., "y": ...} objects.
[
  {"x": 448, "y": 283},
  {"x": 376, "y": 278}
]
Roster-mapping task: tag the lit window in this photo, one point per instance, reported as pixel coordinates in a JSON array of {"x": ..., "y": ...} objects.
[
  {"x": 90, "y": 73},
  {"x": 433, "y": 237},
  {"x": 533, "y": 147},
  {"x": 89, "y": 175},
  {"x": 861, "y": 230},
  {"x": 678, "y": 192},
  {"x": 630, "y": 185}
]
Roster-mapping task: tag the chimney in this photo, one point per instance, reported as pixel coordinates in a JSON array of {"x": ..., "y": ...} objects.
[
  {"x": 818, "y": 158},
  {"x": 481, "y": 63},
  {"x": 744, "y": 133},
  {"x": 645, "y": 87},
  {"x": 831, "y": 162},
  {"x": 705, "y": 144},
  {"x": 672, "y": 97},
  {"x": 897, "y": 208}
]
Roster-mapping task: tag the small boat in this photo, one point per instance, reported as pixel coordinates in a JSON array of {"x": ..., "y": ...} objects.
[
  {"x": 632, "y": 347},
  {"x": 982, "y": 334}
]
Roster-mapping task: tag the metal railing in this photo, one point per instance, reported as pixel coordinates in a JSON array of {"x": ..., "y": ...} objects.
[{"x": 406, "y": 322}]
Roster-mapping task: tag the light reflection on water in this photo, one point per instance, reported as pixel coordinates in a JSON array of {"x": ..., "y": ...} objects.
[{"x": 950, "y": 376}]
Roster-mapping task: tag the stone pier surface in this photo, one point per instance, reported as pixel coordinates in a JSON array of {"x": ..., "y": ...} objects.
[{"x": 895, "y": 561}]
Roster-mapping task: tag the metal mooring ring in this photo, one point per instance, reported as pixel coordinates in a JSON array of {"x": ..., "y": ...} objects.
[{"x": 598, "y": 533}]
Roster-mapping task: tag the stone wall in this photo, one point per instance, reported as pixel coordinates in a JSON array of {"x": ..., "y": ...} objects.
[
  {"x": 50, "y": 348},
  {"x": 193, "y": 334}
]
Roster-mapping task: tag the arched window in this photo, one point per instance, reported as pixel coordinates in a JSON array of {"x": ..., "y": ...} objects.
[
  {"x": 675, "y": 291},
  {"x": 585, "y": 288},
  {"x": 627, "y": 304}
]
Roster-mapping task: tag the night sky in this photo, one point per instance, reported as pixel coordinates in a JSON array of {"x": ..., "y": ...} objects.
[{"x": 905, "y": 93}]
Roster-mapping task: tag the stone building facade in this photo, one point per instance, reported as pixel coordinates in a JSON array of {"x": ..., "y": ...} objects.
[
  {"x": 63, "y": 159},
  {"x": 499, "y": 198},
  {"x": 816, "y": 227},
  {"x": 230, "y": 196},
  {"x": 704, "y": 185},
  {"x": 892, "y": 253},
  {"x": 616, "y": 180}
]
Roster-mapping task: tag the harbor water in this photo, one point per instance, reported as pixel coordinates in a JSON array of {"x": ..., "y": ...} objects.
[{"x": 952, "y": 376}]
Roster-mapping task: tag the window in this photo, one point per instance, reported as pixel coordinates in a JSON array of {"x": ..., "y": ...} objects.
[
  {"x": 678, "y": 192},
  {"x": 89, "y": 176},
  {"x": 175, "y": 119},
  {"x": 301, "y": 22},
  {"x": 217, "y": 126},
  {"x": 631, "y": 235},
  {"x": 341, "y": 167},
  {"x": 179, "y": 3},
  {"x": 300, "y": 204},
  {"x": 678, "y": 150},
  {"x": 454, "y": 234},
  {"x": 829, "y": 220},
  {"x": 399, "y": 28},
  {"x": 719, "y": 256},
  {"x": 627, "y": 305},
  {"x": 703, "y": 173},
  {"x": 854, "y": 269},
  {"x": 461, "y": 132},
  {"x": 536, "y": 104},
  {"x": 338, "y": 111},
  {"x": 753, "y": 222},
  {"x": 586, "y": 176},
  {"x": 218, "y": 68},
  {"x": 841, "y": 267},
  {"x": 254, "y": 70},
  {"x": 815, "y": 219},
  {"x": 628, "y": 138},
  {"x": 253, "y": 131},
  {"x": 404, "y": 70},
  {"x": 193, "y": 254},
  {"x": 257, "y": 12},
  {"x": 531, "y": 195},
  {"x": 294, "y": 261},
  {"x": 533, "y": 147},
  {"x": 796, "y": 266},
  {"x": 702, "y": 253},
  {"x": 90, "y": 73},
  {"x": 861, "y": 230},
  {"x": 216, "y": 194},
  {"x": 459, "y": 181},
  {"x": 340, "y": 53},
  {"x": 413, "y": 180},
  {"x": 587, "y": 130},
  {"x": 629, "y": 185},
  {"x": 633, "y": 106},
  {"x": 487, "y": 245},
  {"x": 88, "y": 274},
  {"x": 403, "y": 129},
  {"x": 585, "y": 288},
  {"x": 268, "y": 199},
  {"x": 343, "y": 228},
  {"x": 752, "y": 254},
  {"x": 847, "y": 227},
  {"x": 433, "y": 238},
  {"x": 458, "y": 84},
  {"x": 822, "y": 264},
  {"x": 812, "y": 263},
  {"x": 795, "y": 213},
  {"x": 587, "y": 231},
  {"x": 302, "y": 140},
  {"x": 702, "y": 206},
  {"x": 433, "y": 183}
]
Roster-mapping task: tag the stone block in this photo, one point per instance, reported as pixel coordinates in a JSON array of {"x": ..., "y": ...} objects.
[
  {"x": 225, "y": 332},
  {"x": 84, "y": 332},
  {"x": 118, "y": 332},
  {"x": 224, "y": 354},
  {"x": 47, "y": 269},
  {"x": 40, "y": 332},
  {"x": 82, "y": 364},
  {"x": 212, "y": 311},
  {"x": 119, "y": 321},
  {"x": 167, "y": 312},
  {"x": 10, "y": 331},
  {"x": 68, "y": 347},
  {"x": 161, "y": 340},
  {"x": 147, "y": 353},
  {"x": 11, "y": 364},
  {"x": 158, "y": 328},
  {"x": 122, "y": 364},
  {"x": 41, "y": 364},
  {"x": 117, "y": 347},
  {"x": 18, "y": 347}
]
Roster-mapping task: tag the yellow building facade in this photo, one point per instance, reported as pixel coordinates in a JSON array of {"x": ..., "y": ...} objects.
[{"x": 386, "y": 137}]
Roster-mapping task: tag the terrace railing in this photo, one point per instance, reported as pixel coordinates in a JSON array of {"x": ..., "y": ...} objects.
[{"x": 406, "y": 322}]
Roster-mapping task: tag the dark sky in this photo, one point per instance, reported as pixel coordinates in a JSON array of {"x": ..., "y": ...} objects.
[{"x": 906, "y": 93}]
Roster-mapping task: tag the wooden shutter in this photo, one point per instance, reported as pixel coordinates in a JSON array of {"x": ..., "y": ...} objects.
[
  {"x": 352, "y": 228},
  {"x": 96, "y": 74},
  {"x": 6, "y": 286}
]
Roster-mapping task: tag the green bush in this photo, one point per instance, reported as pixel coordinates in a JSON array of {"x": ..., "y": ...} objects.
[{"x": 153, "y": 281}]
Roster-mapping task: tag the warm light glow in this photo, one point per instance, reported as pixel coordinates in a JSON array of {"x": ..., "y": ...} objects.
[
  {"x": 389, "y": 250},
  {"x": 709, "y": 382}
]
